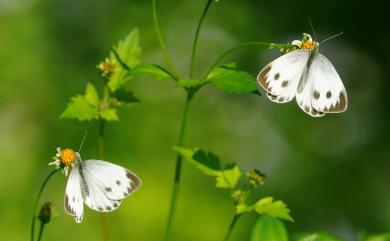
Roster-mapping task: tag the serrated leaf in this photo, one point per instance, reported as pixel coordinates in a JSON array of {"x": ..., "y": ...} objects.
[
  {"x": 242, "y": 208},
  {"x": 209, "y": 164},
  {"x": 91, "y": 95},
  {"x": 128, "y": 51},
  {"x": 317, "y": 236},
  {"x": 124, "y": 97},
  {"x": 230, "y": 80},
  {"x": 206, "y": 162},
  {"x": 268, "y": 228},
  {"x": 228, "y": 178},
  {"x": 79, "y": 108},
  {"x": 109, "y": 114},
  {"x": 148, "y": 71},
  {"x": 273, "y": 208},
  {"x": 190, "y": 83}
]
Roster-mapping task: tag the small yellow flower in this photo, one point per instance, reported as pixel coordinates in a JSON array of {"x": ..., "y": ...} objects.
[
  {"x": 108, "y": 66},
  {"x": 306, "y": 42},
  {"x": 65, "y": 159},
  {"x": 256, "y": 177},
  {"x": 68, "y": 157}
]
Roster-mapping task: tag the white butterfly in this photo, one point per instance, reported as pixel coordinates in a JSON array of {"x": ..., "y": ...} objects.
[
  {"x": 100, "y": 184},
  {"x": 307, "y": 75}
]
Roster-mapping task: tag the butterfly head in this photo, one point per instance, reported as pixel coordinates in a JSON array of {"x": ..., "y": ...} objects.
[
  {"x": 65, "y": 158},
  {"x": 306, "y": 42}
]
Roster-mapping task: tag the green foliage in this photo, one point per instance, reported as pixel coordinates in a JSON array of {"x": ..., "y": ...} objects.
[
  {"x": 128, "y": 52},
  {"x": 89, "y": 107},
  {"x": 108, "y": 114},
  {"x": 209, "y": 164},
  {"x": 190, "y": 83},
  {"x": 227, "y": 177},
  {"x": 91, "y": 96},
  {"x": 268, "y": 228},
  {"x": 83, "y": 107},
  {"x": 317, "y": 236},
  {"x": 273, "y": 208},
  {"x": 124, "y": 97},
  {"x": 228, "y": 79},
  {"x": 148, "y": 71}
]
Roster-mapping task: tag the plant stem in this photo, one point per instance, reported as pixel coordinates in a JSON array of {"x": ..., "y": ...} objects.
[
  {"x": 195, "y": 44},
  {"x": 167, "y": 56},
  {"x": 231, "y": 50},
  {"x": 105, "y": 229},
  {"x": 231, "y": 227},
  {"x": 40, "y": 231},
  {"x": 37, "y": 201},
  {"x": 101, "y": 140},
  {"x": 176, "y": 183}
]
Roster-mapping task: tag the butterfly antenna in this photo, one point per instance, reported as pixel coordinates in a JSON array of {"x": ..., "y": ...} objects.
[
  {"x": 82, "y": 142},
  {"x": 312, "y": 28},
  {"x": 334, "y": 36}
]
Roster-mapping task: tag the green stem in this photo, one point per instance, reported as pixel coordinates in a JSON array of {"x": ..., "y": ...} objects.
[
  {"x": 40, "y": 231},
  {"x": 231, "y": 50},
  {"x": 104, "y": 222},
  {"x": 231, "y": 227},
  {"x": 37, "y": 201},
  {"x": 101, "y": 140},
  {"x": 176, "y": 183},
  {"x": 167, "y": 56},
  {"x": 195, "y": 44}
]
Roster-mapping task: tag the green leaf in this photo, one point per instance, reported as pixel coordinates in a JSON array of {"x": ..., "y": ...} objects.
[
  {"x": 123, "y": 96},
  {"x": 242, "y": 208},
  {"x": 228, "y": 178},
  {"x": 109, "y": 114},
  {"x": 128, "y": 51},
  {"x": 228, "y": 79},
  {"x": 206, "y": 162},
  {"x": 210, "y": 165},
  {"x": 273, "y": 208},
  {"x": 190, "y": 83},
  {"x": 268, "y": 228},
  {"x": 79, "y": 108},
  {"x": 316, "y": 236},
  {"x": 148, "y": 71},
  {"x": 91, "y": 95}
]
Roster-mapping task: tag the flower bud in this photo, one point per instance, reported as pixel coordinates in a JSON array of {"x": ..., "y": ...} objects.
[{"x": 45, "y": 212}]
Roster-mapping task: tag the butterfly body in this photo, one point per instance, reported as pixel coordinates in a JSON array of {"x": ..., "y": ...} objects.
[
  {"x": 308, "y": 76},
  {"x": 99, "y": 184}
]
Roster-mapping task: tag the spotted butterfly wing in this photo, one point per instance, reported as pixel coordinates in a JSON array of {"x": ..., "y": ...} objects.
[
  {"x": 73, "y": 202},
  {"x": 281, "y": 77},
  {"x": 107, "y": 184},
  {"x": 328, "y": 92}
]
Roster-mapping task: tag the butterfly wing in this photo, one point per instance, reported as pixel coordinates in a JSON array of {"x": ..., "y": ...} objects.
[
  {"x": 328, "y": 92},
  {"x": 281, "y": 77},
  {"x": 73, "y": 202},
  {"x": 107, "y": 184}
]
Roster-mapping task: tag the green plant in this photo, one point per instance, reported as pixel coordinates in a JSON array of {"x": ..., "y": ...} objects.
[
  {"x": 229, "y": 176},
  {"x": 268, "y": 228}
]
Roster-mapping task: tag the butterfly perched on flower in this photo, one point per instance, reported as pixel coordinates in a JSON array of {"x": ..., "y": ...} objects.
[
  {"x": 308, "y": 76},
  {"x": 99, "y": 184}
]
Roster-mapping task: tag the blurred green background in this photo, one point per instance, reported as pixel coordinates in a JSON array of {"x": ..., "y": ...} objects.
[{"x": 333, "y": 172}]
